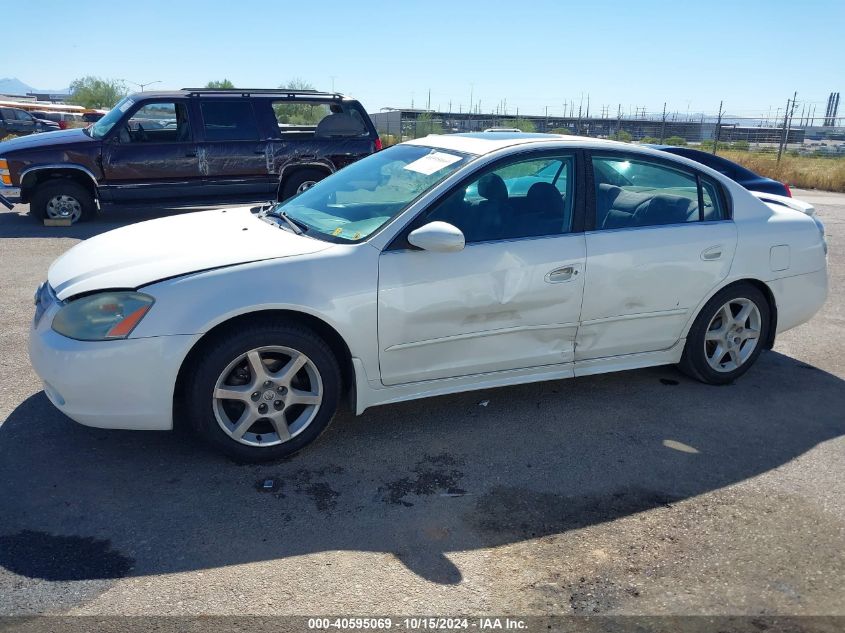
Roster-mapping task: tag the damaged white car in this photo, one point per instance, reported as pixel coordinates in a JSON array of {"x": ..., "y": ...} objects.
[{"x": 441, "y": 265}]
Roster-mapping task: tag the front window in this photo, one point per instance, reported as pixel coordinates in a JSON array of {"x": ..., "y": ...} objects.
[
  {"x": 158, "y": 122},
  {"x": 524, "y": 198},
  {"x": 361, "y": 198},
  {"x": 104, "y": 125}
]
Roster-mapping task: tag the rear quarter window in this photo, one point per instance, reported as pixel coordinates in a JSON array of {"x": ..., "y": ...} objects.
[{"x": 299, "y": 119}]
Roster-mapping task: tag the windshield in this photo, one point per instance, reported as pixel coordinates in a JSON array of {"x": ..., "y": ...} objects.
[
  {"x": 361, "y": 198},
  {"x": 102, "y": 127}
]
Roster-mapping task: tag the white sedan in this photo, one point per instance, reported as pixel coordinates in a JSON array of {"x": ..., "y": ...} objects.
[{"x": 440, "y": 265}]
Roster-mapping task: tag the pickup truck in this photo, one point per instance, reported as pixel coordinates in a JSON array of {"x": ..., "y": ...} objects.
[{"x": 188, "y": 147}]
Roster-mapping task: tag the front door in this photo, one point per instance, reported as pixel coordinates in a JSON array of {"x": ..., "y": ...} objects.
[
  {"x": 662, "y": 240},
  {"x": 509, "y": 300},
  {"x": 152, "y": 155}
]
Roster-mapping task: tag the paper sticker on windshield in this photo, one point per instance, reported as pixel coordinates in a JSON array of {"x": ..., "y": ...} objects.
[
  {"x": 431, "y": 163},
  {"x": 126, "y": 105}
]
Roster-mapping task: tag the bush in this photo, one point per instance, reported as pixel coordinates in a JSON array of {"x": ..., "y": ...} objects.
[
  {"x": 743, "y": 146},
  {"x": 678, "y": 141},
  {"x": 390, "y": 139},
  {"x": 622, "y": 135},
  {"x": 426, "y": 125},
  {"x": 560, "y": 130},
  {"x": 652, "y": 140}
]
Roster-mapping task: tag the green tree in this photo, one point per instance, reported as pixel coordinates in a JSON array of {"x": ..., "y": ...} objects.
[
  {"x": 297, "y": 83},
  {"x": 678, "y": 141},
  {"x": 622, "y": 135},
  {"x": 225, "y": 84},
  {"x": 426, "y": 125},
  {"x": 95, "y": 92},
  {"x": 523, "y": 125}
]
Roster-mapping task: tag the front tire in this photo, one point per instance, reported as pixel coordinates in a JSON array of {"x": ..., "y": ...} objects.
[
  {"x": 62, "y": 198},
  {"x": 728, "y": 335},
  {"x": 264, "y": 391}
]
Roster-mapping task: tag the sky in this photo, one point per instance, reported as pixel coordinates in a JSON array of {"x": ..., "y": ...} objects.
[{"x": 537, "y": 55}]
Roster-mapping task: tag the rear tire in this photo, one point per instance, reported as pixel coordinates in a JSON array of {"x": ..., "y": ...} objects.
[
  {"x": 300, "y": 181},
  {"x": 727, "y": 336},
  {"x": 62, "y": 198},
  {"x": 263, "y": 391}
]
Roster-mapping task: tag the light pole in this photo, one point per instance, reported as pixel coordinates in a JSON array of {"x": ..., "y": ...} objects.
[{"x": 142, "y": 86}]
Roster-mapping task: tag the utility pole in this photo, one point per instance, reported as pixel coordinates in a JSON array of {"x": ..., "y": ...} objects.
[
  {"x": 718, "y": 128},
  {"x": 428, "y": 103},
  {"x": 663, "y": 125},
  {"x": 786, "y": 119}
]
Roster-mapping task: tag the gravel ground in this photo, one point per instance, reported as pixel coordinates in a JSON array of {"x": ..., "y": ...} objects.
[{"x": 640, "y": 492}]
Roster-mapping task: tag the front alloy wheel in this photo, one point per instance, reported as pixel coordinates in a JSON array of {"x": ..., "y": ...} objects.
[
  {"x": 267, "y": 396},
  {"x": 262, "y": 390}
]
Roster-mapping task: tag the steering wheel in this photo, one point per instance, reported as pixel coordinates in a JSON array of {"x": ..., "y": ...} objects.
[
  {"x": 141, "y": 134},
  {"x": 125, "y": 134}
]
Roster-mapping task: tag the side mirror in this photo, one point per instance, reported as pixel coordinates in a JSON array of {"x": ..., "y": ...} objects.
[{"x": 439, "y": 237}]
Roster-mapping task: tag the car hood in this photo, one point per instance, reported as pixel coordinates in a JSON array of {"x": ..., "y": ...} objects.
[
  {"x": 146, "y": 252},
  {"x": 76, "y": 135}
]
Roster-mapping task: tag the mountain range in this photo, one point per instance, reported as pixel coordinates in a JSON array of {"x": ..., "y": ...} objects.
[{"x": 14, "y": 86}]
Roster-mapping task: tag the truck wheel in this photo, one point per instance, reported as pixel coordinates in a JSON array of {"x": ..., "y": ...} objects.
[
  {"x": 62, "y": 198},
  {"x": 300, "y": 181}
]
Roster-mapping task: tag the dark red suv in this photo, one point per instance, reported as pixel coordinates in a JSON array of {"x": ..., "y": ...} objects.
[{"x": 190, "y": 146}]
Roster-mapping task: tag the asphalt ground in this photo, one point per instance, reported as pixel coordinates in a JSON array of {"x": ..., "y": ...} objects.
[{"x": 640, "y": 492}]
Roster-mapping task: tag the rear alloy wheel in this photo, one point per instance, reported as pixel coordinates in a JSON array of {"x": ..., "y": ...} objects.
[
  {"x": 62, "y": 199},
  {"x": 264, "y": 391},
  {"x": 727, "y": 336}
]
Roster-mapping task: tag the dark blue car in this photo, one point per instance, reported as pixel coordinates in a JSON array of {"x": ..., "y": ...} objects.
[{"x": 737, "y": 173}]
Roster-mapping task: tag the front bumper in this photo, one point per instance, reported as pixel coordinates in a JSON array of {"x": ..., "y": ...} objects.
[
  {"x": 125, "y": 384},
  {"x": 12, "y": 195}
]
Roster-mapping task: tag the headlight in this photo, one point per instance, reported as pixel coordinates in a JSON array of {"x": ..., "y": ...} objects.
[{"x": 102, "y": 317}]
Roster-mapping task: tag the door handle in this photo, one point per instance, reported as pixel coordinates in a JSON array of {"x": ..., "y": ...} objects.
[
  {"x": 712, "y": 253},
  {"x": 564, "y": 273}
]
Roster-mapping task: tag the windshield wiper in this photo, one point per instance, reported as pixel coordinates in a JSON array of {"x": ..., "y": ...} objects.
[{"x": 297, "y": 227}]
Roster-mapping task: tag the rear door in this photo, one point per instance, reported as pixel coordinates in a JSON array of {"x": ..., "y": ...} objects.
[
  {"x": 234, "y": 157},
  {"x": 152, "y": 154},
  {"x": 661, "y": 240}
]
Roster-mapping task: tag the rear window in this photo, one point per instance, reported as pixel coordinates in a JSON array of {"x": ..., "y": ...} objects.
[
  {"x": 229, "y": 121},
  {"x": 315, "y": 119}
]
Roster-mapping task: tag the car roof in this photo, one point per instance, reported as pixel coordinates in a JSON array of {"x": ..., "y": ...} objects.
[
  {"x": 480, "y": 143},
  {"x": 240, "y": 92}
]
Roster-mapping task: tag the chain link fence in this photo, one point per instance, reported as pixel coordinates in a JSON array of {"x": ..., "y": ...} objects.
[{"x": 798, "y": 136}]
